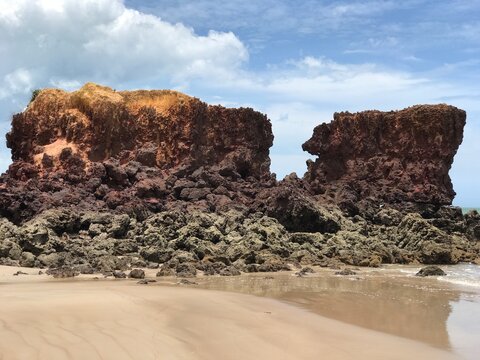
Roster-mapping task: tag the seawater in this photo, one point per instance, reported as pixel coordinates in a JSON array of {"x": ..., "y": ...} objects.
[
  {"x": 441, "y": 311},
  {"x": 463, "y": 275}
]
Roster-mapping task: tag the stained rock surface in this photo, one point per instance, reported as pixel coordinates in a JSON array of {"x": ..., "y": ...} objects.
[
  {"x": 396, "y": 156},
  {"x": 110, "y": 181},
  {"x": 162, "y": 129}
]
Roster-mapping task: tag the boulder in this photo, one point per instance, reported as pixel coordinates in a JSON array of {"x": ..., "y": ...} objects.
[
  {"x": 430, "y": 270},
  {"x": 137, "y": 274}
]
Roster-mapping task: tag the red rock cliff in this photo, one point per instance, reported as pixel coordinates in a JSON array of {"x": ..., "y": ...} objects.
[
  {"x": 166, "y": 129},
  {"x": 394, "y": 156}
]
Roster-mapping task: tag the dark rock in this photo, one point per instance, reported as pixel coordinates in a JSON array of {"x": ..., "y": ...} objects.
[
  {"x": 165, "y": 272},
  {"x": 305, "y": 271},
  {"x": 297, "y": 212},
  {"x": 20, "y": 273},
  {"x": 186, "y": 270},
  {"x": 108, "y": 181},
  {"x": 430, "y": 270},
  {"x": 137, "y": 274},
  {"x": 346, "y": 272},
  {"x": 62, "y": 272},
  {"x": 84, "y": 269},
  {"x": 146, "y": 281},
  {"x": 27, "y": 259},
  {"x": 230, "y": 271},
  {"x": 385, "y": 154},
  {"x": 187, "y": 282},
  {"x": 122, "y": 275}
]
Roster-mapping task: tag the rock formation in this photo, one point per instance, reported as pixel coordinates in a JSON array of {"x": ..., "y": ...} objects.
[
  {"x": 165, "y": 129},
  {"x": 109, "y": 181},
  {"x": 395, "y": 157}
]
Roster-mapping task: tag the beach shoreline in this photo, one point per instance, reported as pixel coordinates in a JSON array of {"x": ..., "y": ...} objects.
[{"x": 52, "y": 318}]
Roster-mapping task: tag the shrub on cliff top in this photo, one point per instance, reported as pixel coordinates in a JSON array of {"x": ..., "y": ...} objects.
[{"x": 34, "y": 94}]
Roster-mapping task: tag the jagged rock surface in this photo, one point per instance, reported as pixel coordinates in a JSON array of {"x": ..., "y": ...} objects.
[
  {"x": 163, "y": 128},
  {"x": 395, "y": 157},
  {"x": 109, "y": 181}
]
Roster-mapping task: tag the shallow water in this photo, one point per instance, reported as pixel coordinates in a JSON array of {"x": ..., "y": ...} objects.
[{"x": 443, "y": 312}]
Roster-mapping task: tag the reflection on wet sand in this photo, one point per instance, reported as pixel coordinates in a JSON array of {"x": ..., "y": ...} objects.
[{"x": 409, "y": 307}]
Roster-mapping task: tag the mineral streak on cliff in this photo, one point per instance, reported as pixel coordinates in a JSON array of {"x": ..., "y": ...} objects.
[
  {"x": 96, "y": 123},
  {"x": 396, "y": 156}
]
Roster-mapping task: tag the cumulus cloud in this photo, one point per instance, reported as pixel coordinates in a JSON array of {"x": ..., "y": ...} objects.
[{"x": 66, "y": 42}]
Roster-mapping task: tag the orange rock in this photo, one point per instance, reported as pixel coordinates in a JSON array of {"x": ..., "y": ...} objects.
[{"x": 98, "y": 123}]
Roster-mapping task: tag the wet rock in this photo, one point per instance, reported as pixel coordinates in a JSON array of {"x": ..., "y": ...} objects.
[
  {"x": 187, "y": 282},
  {"x": 305, "y": 271},
  {"x": 346, "y": 272},
  {"x": 430, "y": 270},
  {"x": 146, "y": 281}
]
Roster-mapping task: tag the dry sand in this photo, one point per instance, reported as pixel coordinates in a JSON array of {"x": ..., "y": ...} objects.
[{"x": 43, "y": 318}]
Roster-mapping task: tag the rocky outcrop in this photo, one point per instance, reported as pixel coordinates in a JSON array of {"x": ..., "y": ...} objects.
[
  {"x": 163, "y": 129},
  {"x": 110, "y": 181},
  {"x": 395, "y": 157}
]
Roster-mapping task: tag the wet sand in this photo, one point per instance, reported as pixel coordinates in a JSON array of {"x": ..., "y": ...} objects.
[
  {"x": 43, "y": 318},
  {"x": 388, "y": 300}
]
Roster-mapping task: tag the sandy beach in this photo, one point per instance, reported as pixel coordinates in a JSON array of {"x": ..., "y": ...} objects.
[{"x": 43, "y": 318}]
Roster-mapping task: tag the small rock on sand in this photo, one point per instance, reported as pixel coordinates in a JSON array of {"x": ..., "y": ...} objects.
[
  {"x": 62, "y": 272},
  {"x": 304, "y": 271},
  {"x": 137, "y": 274},
  {"x": 119, "y": 275},
  {"x": 187, "y": 282},
  {"x": 431, "y": 270},
  {"x": 20, "y": 273},
  {"x": 346, "y": 272},
  {"x": 146, "y": 281}
]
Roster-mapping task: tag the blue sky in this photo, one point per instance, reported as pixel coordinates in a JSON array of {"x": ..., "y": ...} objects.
[{"x": 297, "y": 61}]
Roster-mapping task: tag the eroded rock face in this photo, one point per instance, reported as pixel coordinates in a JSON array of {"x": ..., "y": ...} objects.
[
  {"x": 163, "y": 129},
  {"x": 109, "y": 181},
  {"x": 396, "y": 156}
]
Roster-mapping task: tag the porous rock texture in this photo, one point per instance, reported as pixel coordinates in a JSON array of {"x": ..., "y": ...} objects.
[
  {"x": 109, "y": 181},
  {"x": 397, "y": 156},
  {"x": 162, "y": 129}
]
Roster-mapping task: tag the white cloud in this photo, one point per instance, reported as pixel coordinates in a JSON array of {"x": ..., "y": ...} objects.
[
  {"x": 56, "y": 42},
  {"x": 64, "y": 43},
  {"x": 18, "y": 81}
]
